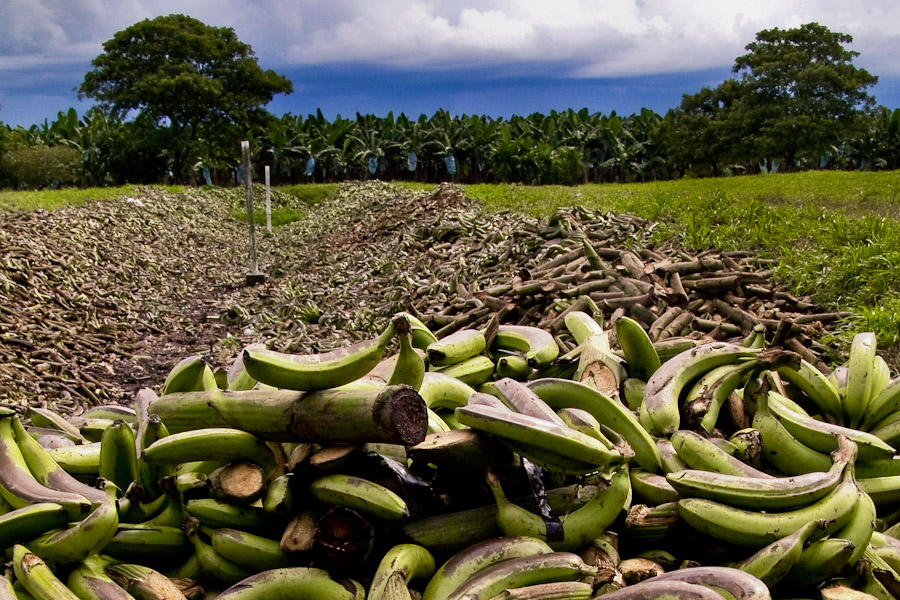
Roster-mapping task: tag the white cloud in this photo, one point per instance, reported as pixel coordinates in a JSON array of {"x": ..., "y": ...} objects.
[{"x": 592, "y": 38}]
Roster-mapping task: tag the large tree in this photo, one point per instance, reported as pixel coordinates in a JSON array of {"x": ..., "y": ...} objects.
[
  {"x": 798, "y": 95},
  {"x": 195, "y": 82}
]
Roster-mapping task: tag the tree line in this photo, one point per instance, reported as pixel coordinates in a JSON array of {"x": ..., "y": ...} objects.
[{"x": 796, "y": 102}]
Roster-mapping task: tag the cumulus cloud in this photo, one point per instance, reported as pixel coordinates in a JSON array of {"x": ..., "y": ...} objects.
[{"x": 582, "y": 38}]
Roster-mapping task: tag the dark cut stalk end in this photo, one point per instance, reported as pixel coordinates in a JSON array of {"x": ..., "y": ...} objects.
[{"x": 401, "y": 411}]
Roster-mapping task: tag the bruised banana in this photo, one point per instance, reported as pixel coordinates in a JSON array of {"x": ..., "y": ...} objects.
[
  {"x": 47, "y": 471},
  {"x": 456, "y": 347},
  {"x": 191, "y": 374},
  {"x": 19, "y": 487},
  {"x": 89, "y": 581},
  {"x": 772, "y": 494},
  {"x": 477, "y": 557},
  {"x": 772, "y": 563},
  {"x": 528, "y": 432},
  {"x": 37, "y": 578},
  {"x": 733, "y": 583},
  {"x": 758, "y": 529},
  {"x": 407, "y": 561},
  {"x": 640, "y": 355},
  {"x": 538, "y": 345},
  {"x": 520, "y": 572},
  {"x": 307, "y": 372},
  {"x": 576, "y": 528},
  {"x": 651, "y": 589},
  {"x": 293, "y": 582},
  {"x": 143, "y": 582},
  {"x": 518, "y": 397},
  {"x": 665, "y": 386},
  {"x": 82, "y": 539},
  {"x": 564, "y": 393}
]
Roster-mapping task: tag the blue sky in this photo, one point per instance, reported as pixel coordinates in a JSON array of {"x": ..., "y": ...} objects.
[{"x": 493, "y": 57}]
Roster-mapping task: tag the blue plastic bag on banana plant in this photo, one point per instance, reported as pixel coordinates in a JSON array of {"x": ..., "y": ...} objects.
[
  {"x": 310, "y": 165},
  {"x": 450, "y": 162},
  {"x": 411, "y": 161},
  {"x": 373, "y": 164}
]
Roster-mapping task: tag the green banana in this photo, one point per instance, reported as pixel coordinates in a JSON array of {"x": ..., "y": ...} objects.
[
  {"x": 473, "y": 371},
  {"x": 19, "y": 488},
  {"x": 652, "y": 489},
  {"x": 138, "y": 542},
  {"x": 538, "y": 346},
  {"x": 578, "y": 527},
  {"x": 640, "y": 355},
  {"x": 468, "y": 562},
  {"x": 883, "y": 490},
  {"x": 443, "y": 391},
  {"x": 307, "y": 372},
  {"x": 756, "y": 338},
  {"x": 772, "y": 563},
  {"x": 513, "y": 366},
  {"x": 37, "y": 578},
  {"x": 191, "y": 374},
  {"x": 881, "y": 378},
  {"x": 582, "y": 325},
  {"x": 406, "y": 561},
  {"x": 664, "y": 387},
  {"x": 214, "y": 443},
  {"x": 30, "y": 520},
  {"x": 585, "y": 422},
  {"x": 118, "y": 455},
  {"x": 43, "y": 417},
  {"x": 149, "y": 431},
  {"x": 528, "y": 432},
  {"x": 885, "y": 403},
  {"x": 753, "y": 493},
  {"x": 456, "y": 347},
  {"x": 215, "y": 567},
  {"x": 557, "y": 590},
  {"x": 859, "y": 529},
  {"x": 563, "y": 393},
  {"x": 279, "y": 498},
  {"x": 522, "y": 571},
  {"x": 89, "y": 581},
  {"x": 817, "y": 387},
  {"x": 820, "y": 561},
  {"x": 112, "y": 412},
  {"x": 72, "y": 545},
  {"x": 670, "y": 461},
  {"x": 421, "y": 335},
  {"x": 822, "y": 436},
  {"x": 91, "y": 429},
  {"x": 410, "y": 366},
  {"x": 700, "y": 453},
  {"x": 359, "y": 494},
  {"x": 780, "y": 448},
  {"x": 78, "y": 460},
  {"x": 293, "y": 582},
  {"x": 436, "y": 423},
  {"x": 213, "y": 513},
  {"x": 250, "y": 550},
  {"x": 758, "y": 529},
  {"x": 46, "y": 470},
  {"x": 651, "y": 589},
  {"x": 859, "y": 377}
]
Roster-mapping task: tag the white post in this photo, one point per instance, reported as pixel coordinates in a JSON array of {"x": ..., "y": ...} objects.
[
  {"x": 254, "y": 276},
  {"x": 268, "y": 204}
]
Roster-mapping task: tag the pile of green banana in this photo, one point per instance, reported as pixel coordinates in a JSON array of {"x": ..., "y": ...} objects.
[{"x": 481, "y": 465}]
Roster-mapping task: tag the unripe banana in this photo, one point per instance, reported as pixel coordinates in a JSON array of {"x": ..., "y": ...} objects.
[
  {"x": 213, "y": 513},
  {"x": 250, "y": 550},
  {"x": 316, "y": 371},
  {"x": 652, "y": 589},
  {"x": 89, "y": 581},
  {"x": 216, "y": 568},
  {"x": 293, "y": 582},
  {"x": 456, "y": 347},
  {"x": 191, "y": 374},
  {"x": 733, "y": 583},
  {"x": 582, "y": 325},
  {"x": 773, "y": 562},
  {"x": 472, "y": 371},
  {"x": 513, "y": 366},
  {"x": 518, "y": 572},
  {"x": 118, "y": 455},
  {"x": 421, "y": 335},
  {"x": 442, "y": 391},
  {"x": 215, "y": 443},
  {"x": 29, "y": 521},
  {"x": 406, "y": 561},
  {"x": 700, "y": 453},
  {"x": 143, "y": 582},
  {"x": 859, "y": 377},
  {"x": 135, "y": 542},
  {"x": 782, "y": 449},
  {"x": 477, "y": 557},
  {"x": 538, "y": 346},
  {"x": 640, "y": 355},
  {"x": 410, "y": 366},
  {"x": 359, "y": 494},
  {"x": 817, "y": 387}
]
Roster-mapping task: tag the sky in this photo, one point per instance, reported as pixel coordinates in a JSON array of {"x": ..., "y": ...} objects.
[{"x": 489, "y": 57}]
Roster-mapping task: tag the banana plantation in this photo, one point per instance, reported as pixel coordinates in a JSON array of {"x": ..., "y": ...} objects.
[{"x": 567, "y": 148}]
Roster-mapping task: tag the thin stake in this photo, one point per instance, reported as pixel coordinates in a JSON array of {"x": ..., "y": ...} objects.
[
  {"x": 254, "y": 276},
  {"x": 268, "y": 204}
]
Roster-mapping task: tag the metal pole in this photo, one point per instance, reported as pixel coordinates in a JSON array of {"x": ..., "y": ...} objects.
[
  {"x": 254, "y": 276},
  {"x": 268, "y": 204}
]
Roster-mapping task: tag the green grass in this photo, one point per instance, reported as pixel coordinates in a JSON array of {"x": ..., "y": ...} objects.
[
  {"x": 836, "y": 234},
  {"x": 51, "y": 199},
  {"x": 309, "y": 193}
]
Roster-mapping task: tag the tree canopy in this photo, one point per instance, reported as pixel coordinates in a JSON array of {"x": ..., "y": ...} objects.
[
  {"x": 198, "y": 81},
  {"x": 798, "y": 94}
]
